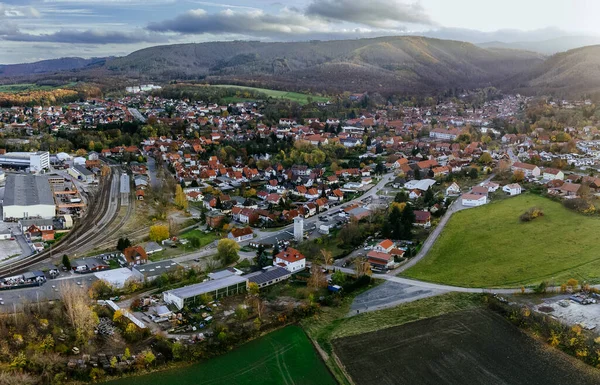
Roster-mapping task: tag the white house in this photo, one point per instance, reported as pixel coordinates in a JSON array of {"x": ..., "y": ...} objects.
[
  {"x": 453, "y": 189},
  {"x": 290, "y": 259},
  {"x": 528, "y": 169},
  {"x": 384, "y": 246},
  {"x": 241, "y": 235},
  {"x": 491, "y": 186},
  {"x": 473, "y": 200},
  {"x": 552, "y": 174},
  {"x": 512, "y": 189}
]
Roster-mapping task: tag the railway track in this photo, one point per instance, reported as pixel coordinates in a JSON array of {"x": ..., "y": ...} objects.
[{"x": 100, "y": 214}]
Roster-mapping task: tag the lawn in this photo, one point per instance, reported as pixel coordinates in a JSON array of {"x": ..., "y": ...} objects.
[
  {"x": 489, "y": 247},
  {"x": 293, "y": 96},
  {"x": 169, "y": 252},
  {"x": 205, "y": 238},
  {"x": 285, "y": 356}
]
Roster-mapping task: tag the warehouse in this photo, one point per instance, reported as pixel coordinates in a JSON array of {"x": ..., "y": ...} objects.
[
  {"x": 81, "y": 173},
  {"x": 219, "y": 288},
  {"x": 31, "y": 161},
  {"x": 27, "y": 196}
]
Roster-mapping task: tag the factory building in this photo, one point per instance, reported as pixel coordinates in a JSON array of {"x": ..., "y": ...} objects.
[
  {"x": 27, "y": 196},
  {"x": 34, "y": 162}
]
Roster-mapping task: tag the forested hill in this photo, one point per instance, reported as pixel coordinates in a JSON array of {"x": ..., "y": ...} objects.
[{"x": 384, "y": 64}]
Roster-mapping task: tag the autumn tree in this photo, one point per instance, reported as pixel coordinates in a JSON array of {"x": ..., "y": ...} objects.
[
  {"x": 227, "y": 251},
  {"x": 485, "y": 158},
  {"x": 327, "y": 257},
  {"x": 180, "y": 198},
  {"x": 159, "y": 233},
  {"x": 78, "y": 311},
  {"x": 518, "y": 176},
  {"x": 254, "y": 300},
  {"x": 317, "y": 279}
]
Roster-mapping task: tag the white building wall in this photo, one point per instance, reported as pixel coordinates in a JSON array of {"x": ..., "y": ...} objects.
[{"x": 20, "y": 212}]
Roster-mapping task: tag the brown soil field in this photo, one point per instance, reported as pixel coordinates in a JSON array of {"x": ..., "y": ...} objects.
[{"x": 471, "y": 347}]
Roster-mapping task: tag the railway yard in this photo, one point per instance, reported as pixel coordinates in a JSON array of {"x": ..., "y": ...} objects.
[{"x": 101, "y": 222}]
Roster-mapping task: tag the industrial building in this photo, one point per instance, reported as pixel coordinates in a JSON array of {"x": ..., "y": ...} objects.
[
  {"x": 219, "y": 288},
  {"x": 151, "y": 271},
  {"x": 27, "y": 196},
  {"x": 81, "y": 173},
  {"x": 34, "y": 162}
]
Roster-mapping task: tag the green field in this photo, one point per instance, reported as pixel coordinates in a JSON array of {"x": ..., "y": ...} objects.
[
  {"x": 489, "y": 247},
  {"x": 285, "y": 356},
  {"x": 22, "y": 87},
  {"x": 205, "y": 238},
  {"x": 293, "y": 96}
]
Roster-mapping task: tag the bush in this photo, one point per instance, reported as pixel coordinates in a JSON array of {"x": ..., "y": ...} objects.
[
  {"x": 579, "y": 205},
  {"x": 531, "y": 214}
]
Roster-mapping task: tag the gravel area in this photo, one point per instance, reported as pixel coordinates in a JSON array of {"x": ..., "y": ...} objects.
[{"x": 389, "y": 294}]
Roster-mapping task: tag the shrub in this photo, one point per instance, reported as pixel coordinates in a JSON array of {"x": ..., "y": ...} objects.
[{"x": 531, "y": 214}]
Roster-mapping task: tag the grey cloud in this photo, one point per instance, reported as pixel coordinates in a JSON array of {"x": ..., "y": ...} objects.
[
  {"x": 254, "y": 23},
  {"x": 85, "y": 37},
  {"x": 374, "y": 13}
]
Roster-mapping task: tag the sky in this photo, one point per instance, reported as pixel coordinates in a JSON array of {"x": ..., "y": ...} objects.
[{"x": 32, "y": 30}]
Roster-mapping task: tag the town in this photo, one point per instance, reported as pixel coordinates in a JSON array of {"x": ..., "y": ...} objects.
[{"x": 182, "y": 217}]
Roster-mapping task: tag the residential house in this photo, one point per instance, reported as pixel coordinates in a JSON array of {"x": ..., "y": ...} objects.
[
  {"x": 552, "y": 174},
  {"x": 453, "y": 189},
  {"x": 134, "y": 255},
  {"x": 241, "y": 235},
  {"x": 290, "y": 259},
  {"x": 512, "y": 189},
  {"x": 527, "y": 169},
  {"x": 473, "y": 200},
  {"x": 380, "y": 260},
  {"x": 422, "y": 218},
  {"x": 384, "y": 246}
]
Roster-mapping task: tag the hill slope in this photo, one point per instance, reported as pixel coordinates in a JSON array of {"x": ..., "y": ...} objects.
[
  {"x": 572, "y": 73},
  {"x": 547, "y": 47},
  {"x": 48, "y": 66},
  {"x": 388, "y": 63}
]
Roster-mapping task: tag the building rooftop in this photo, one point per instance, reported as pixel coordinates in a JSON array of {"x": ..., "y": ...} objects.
[
  {"x": 270, "y": 274},
  {"x": 82, "y": 170},
  {"x": 27, "y": 190},
  {"x": 156, "y": 268},
  {"x": 125, "y": 187},
  {"x": 207, "y": 287}
]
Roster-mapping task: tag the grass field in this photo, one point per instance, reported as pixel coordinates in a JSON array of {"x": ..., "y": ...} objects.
[
  {"x": 168, "y": 252},
  {"x": 285, "y": 356},
  {"x": 468, "y": 347},
  {"x": 293, "y": 96},
  {"x": 22, "y": 87},
  {"x": 489, "y": 247}
]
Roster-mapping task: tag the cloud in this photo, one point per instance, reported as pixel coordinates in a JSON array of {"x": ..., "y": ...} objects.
[
  {"x": 254, "y": 23},
  {"x": 374, "y": 13},
  {"x": 9, "y": 11},
  {"x": 84, "y": 37}
]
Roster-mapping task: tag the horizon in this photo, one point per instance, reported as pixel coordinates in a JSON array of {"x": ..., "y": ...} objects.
[
  {"x": 35, "y": 30},
  {"x": 424, "y": 35}
]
